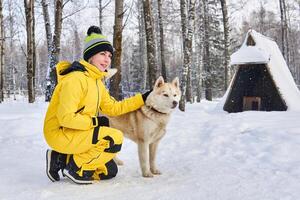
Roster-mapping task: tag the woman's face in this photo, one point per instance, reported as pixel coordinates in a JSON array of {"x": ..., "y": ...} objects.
[{"x": 101, "y": 60}]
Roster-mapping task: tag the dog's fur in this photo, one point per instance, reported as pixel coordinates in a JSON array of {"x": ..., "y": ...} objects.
[{"x": 147, "y": 125}]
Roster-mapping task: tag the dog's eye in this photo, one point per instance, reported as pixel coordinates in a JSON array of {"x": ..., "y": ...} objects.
[
  {"x": 166, "y": 95},
  {"x": 175, "y": 95}
]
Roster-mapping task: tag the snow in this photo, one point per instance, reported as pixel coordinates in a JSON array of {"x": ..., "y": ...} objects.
[
  {"x": 267, "y": 51},
  {"x": 249, "y": 55},
  {"x": 206, "y": 154}
]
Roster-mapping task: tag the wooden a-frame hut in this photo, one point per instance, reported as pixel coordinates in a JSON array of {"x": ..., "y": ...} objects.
[{"x": 262, "y": 80}]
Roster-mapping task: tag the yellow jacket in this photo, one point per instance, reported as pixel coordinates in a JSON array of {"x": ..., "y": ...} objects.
[{"x": 80, "y": 95}]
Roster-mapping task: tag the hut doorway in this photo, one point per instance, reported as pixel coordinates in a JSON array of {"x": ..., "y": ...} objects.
[{"x": 251, "y": 103}]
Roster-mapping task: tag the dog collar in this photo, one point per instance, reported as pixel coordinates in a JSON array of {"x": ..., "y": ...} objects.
[{"x": 152, "y": 108}]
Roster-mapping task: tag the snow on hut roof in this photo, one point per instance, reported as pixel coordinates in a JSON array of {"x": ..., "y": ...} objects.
[
  {"x": 249, "y": 55},
  {"x": 258, "y": 48}
]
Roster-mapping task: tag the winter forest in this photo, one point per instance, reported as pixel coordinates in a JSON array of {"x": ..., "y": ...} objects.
[
  {"x": 211, "y": 151},
  {"x": 191, "y": 39}
]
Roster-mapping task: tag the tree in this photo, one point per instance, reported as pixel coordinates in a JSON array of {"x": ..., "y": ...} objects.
[
  {"x": 187, "y": 24},
  {"x": 226, "y": 42},
  {"x": 11, "y": 63},
  {"x": 206, "y": 57},
  {"x": 100, "y": 14},
  {"x": 142, "y": 46},
  {"x": 1, "y": 53},
  {"x": 100, "y": 9},
  {"x": 151, "y": 50},
  {"x": 47, "y": 26},
  {"x": 199, "y": 49},
  {"x": 284, "y": 30},
  {"x": 53, "y": 44},
  {"x": 162, "y": 41},
  {"x": 115, "y": 88},
  {"x": 29, "y": 12},
  {"x": 136, "y": 58}
]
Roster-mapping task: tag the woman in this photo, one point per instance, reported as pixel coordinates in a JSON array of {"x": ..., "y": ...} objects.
[{"x": 83, "y": 144}]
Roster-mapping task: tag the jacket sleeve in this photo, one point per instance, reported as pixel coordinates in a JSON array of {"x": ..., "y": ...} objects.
[
  {"x": 72, "y": 91},
  {"x": 111, "y": 107}
]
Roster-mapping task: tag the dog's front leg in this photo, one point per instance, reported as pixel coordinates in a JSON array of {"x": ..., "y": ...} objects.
[
  {"x": 153, "y": 148},
  {"x": 143, "y": 150}
]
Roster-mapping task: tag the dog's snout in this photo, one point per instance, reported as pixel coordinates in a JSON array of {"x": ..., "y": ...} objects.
[{"x": 175, "y": 104}]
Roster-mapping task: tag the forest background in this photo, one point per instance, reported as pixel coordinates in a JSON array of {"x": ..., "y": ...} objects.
[{"x": 191, "y": 39}]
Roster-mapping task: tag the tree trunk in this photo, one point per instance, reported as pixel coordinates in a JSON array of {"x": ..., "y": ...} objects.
[
  {"x": 189, "y": 45},
  {"x": 1, "y": 53},
  {"x": 33, "y": 54},
  {"x": 187, "y": 24},
  {"x": 100, "y": 14},
  {"x": 115, "y": 86},
  {"x": 162, "y": 41},
  {"x": 100, "y": 9},
  {"x": 226, "y": 42},
  {"x": 77, "y": 44},
  {"x": 50, "y": 84},
  {"x": 29, "y": 12},
  {"x": 183, "y": 14},
  {"x": 142, "y": 45},
  {"x": 57, "y": 32},
  {"x": 12, "y": 51},
  {"x": 206, "y": 58},
  {"x": 284, "y": 30},
  {"x": 54, "y": 51},
  {"x": 199, "y": 48},
  {"x": 47, "y": 26},
  {"x": 151, "y": 52}
]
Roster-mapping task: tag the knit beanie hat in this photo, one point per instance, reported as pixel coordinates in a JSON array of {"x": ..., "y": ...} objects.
[{"x": 95, "y": 42}]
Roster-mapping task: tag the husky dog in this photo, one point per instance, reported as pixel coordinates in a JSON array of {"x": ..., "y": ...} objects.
[{"x": 147, "y": 125}]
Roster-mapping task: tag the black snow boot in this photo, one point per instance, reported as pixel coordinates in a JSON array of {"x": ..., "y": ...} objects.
[
  {"x": 54, "y": 162},
  {"x": 71, "y": 172}
]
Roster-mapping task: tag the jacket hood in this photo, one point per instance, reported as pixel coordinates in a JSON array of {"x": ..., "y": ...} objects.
[{"x": 64, "y": 67}]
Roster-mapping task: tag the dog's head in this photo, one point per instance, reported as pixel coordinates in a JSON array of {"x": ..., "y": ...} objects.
[{"x": 165, "y": 96}]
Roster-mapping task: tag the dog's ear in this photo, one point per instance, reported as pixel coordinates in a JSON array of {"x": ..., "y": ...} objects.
[
  {"x": 175, "y": 82},
  {"x": 159, "y": 82},
  {"x": 110, "y": 73}
]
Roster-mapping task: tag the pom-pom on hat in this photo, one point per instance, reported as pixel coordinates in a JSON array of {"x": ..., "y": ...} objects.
[{"x": 95, "y": 42}]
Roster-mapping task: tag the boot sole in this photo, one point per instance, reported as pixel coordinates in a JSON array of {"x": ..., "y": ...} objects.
[
  {"x": 48, "y": 158},
  {"x": 81, "y": 182}
]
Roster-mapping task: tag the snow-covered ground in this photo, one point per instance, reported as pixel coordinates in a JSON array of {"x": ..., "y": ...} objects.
[{"x": 206, "y": 154}]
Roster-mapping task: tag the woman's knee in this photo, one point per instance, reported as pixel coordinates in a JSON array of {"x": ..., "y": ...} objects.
[{"x": 112, "y": 170}]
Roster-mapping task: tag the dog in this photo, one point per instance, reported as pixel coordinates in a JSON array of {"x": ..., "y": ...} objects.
[{"x": 147, "y": 125}]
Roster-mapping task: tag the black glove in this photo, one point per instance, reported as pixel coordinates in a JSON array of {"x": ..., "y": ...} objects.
[
  {"x": 146, "y": 94},
  {"x": 100, "y": 121}
]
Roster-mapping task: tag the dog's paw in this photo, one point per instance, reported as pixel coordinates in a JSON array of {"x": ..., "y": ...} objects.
[
  {"x": 155, "y": 171},
  {"x": 147, "y": 174},
  {"x": 118, "y": 161}
]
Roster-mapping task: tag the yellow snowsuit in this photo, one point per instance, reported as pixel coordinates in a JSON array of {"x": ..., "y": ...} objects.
[{"x": 69, "y": 125}]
